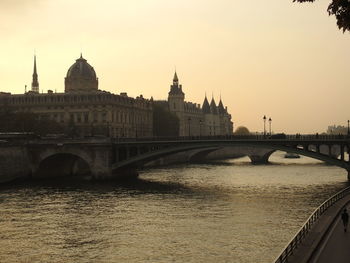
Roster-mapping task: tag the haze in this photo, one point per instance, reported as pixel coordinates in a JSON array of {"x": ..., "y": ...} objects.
[{"x": 276, "y": 58}]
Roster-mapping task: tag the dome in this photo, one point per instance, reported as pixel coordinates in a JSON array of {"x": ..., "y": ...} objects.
[
  {"x": 81, "y": 76},
  {"x": 81, "y": 69}
]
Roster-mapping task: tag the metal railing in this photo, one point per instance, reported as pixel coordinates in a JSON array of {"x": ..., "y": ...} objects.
[
  {"x": 20, "y": 137},
  {"x": 259, "y": 137},
  {"x": 297, "y": 239}
]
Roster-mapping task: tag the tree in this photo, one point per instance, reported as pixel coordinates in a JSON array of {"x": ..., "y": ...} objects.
[
  {"x": 340, "y": 9},
  {"x": 165, "y": 123},
  {"x": 27, "y": 122},
  {"x": 241, "y": 130}
]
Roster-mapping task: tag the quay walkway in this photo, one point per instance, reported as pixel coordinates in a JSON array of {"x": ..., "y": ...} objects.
[{"x": 322, "y": 238}]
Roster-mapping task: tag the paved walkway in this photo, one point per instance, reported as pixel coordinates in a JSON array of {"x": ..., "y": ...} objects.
[
  {"x": 326, "y": 242},
  {"x": 335, "y": 247}
]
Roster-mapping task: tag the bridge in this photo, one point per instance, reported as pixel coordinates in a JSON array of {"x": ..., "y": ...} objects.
[{"x": 106, "y": 157}]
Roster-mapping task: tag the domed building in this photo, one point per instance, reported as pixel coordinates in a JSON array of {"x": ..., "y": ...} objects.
[
  {"x": 84, "y": 110},
  {"x": 81, "y": 77}
]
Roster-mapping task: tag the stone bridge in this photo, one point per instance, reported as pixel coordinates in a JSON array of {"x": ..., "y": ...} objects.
[{"x": 105, "y": 158}]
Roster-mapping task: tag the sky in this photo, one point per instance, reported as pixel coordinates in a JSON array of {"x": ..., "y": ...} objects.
[{"x": 277, "y": 58}]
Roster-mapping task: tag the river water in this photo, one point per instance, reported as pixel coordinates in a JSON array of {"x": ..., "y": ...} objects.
[{"x": 229, "y": 211}]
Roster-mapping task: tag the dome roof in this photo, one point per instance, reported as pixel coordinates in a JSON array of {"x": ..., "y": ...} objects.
[
  {"x": 81, "y": 77},
  {"x": 81, "y": 69}
]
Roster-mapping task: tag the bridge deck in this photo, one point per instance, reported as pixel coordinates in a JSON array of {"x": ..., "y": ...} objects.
[{"x": 327, "y": 241}]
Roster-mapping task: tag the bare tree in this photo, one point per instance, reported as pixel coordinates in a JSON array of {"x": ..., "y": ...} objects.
[{"x": 340, "y": 9}]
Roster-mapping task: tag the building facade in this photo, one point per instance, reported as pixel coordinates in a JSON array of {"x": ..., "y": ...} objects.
[
  {"x": 83, "y": 109},
  {"x": 194, "y": 120}
]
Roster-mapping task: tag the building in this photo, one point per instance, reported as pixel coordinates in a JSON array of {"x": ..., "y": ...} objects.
[
  {"x": 194, "y": 120},
  {"x": 83, "y": 109}
]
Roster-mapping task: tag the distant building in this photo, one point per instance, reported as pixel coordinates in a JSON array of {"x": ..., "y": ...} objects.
[
  {"x": 337, "y": 129},
  {"x": 83, "y": 109},
  {"x": 195, "y": 120}
]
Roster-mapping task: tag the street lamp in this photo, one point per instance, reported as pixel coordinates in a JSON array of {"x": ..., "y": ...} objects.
[
  {"x": 270, "y": 121},
  {"x": 189, "y": 126},
  {"x": 264, "y": 118},
  {"x": 348, "y": 127}
]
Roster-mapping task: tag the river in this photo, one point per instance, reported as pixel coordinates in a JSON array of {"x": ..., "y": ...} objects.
[{"x": 229, "y": 211}]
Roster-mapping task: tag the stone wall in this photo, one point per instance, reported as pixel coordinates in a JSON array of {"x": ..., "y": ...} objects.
[{"x": 14, "y": 163}]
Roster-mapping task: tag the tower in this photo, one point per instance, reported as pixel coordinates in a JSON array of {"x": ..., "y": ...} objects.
[
  {"x": 176, "y": 100},
  {"x": 176, "y": 96},
  {"x": 35, "y": 83}
]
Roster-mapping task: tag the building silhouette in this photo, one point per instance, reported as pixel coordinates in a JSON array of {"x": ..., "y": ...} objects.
[
  {"x": 85, "y": 110},
  {"x": 194, "y": 120}
]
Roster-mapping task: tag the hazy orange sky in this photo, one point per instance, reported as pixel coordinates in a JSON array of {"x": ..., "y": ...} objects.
[{"x": 274, "y": 57}]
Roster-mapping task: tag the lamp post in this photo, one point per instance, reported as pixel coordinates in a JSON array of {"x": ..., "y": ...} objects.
[
  {"x": 270, "y": 122},
  {"x": 348, "y": 127},
  {"x": 189, "y": 126},
  {"x": 264, "y": 118}
]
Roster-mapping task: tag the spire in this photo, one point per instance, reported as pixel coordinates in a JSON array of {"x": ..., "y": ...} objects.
[
  {"x": 175, "y": 79},
  {"x": 35, "y": 83},
  {"x": 205, "y": 106},
  {"x": 221, "y": 109},
  {"x": 176, "y": 88},
  {"x": 35, "y": 65},
  {"x": 213, "y": 107}
]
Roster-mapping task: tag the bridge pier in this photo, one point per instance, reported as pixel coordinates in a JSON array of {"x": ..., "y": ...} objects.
[
  {"x": 261, "y": 156},
  {"x": 256, "y": 159}
]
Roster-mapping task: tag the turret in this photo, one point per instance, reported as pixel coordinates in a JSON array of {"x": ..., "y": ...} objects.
[
  {"x": 176, "y": 96},
  {"x": 221, "y": 109},
  {"x": 206, "y": 107},
  {"x": 213, "y": 108}
]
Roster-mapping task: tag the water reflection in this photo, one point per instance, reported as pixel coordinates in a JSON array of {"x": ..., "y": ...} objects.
[{"x": 225, "y": 212}]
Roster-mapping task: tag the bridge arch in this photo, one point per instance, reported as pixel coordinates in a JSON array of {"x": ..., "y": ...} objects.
[
  {"x": 269, "y": 147},
  {"x": 61, "y": 165}
]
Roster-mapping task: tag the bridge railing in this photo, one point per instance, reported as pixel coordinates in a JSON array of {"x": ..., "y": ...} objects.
[
  {"x": 304, "y": 230},
  {"x": 296, "y": 137},
  {"x": 252, "y": 137}
]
